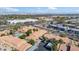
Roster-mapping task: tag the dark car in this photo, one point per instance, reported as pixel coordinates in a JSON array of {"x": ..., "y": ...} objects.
[{"x": 48, "y": 45}]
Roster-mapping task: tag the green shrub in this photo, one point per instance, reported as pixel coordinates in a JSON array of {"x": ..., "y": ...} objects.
[
  {"x": 28, "y": 32},
  {"x": 22, "y": 36},
  {"x": 35, "y": 29},
  {"x": 31, "y": 41},
  {"x": 62, "y": 35}
]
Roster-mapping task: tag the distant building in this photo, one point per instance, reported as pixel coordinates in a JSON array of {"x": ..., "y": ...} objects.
[
  {"x": 21, "y": 21},
  {"x": 68, "y": 28}
]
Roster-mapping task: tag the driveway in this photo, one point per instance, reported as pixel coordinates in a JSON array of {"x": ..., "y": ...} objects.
[
  {"x": 41, "y": 47},
  {"x": 35, "y": 46}
]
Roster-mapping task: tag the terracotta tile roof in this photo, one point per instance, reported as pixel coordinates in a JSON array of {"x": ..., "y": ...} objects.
[
  {"x": 63, "y": 47},
  {"x": 17, "y": 43},
  {"x": 37, "y": 34},
  {"x": 4, "y": 32},
  {"x": 51, "y": 36},
  {"x": 74, "y": 48}
]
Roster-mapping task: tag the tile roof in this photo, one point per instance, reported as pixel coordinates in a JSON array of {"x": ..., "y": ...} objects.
[
  {"x": 17, "y": 43},
  {"x": 51, "y": 36}
]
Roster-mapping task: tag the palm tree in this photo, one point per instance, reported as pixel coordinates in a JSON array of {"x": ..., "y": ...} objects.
[
  {"x": 60, "y": 42},
  {"x": 44, "y": 38},
  {"x": 54, "y": 44}
]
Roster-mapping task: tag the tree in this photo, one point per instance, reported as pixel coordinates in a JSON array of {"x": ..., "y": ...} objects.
[
  {"x": 28, "y": 32},
  {"x": 31, "y": 41},
  {"x": 11, "y": 32},
  {"x": 16, "y": 26},
  {"x": 60, "y": 42},
  {"x": 44, "y": 38},
  {"x": 62, "y": 34},
  {"x": 13, "y": 49},
  {"x": 60, "y": 19},
  {"x": 22, "y": 36},
  {"x": 3, "y": 34},
  {"x": 35, "y": 29},
  {"x": 54, "y": 44},
  {"x": 3, "y": 22},
  {"x": 54, "y": 47}
]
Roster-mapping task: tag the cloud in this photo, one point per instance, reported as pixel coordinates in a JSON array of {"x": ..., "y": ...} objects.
[
  {"x": 8, "y": 9},
  {"x": 38, "y": 8},
  {"x": 77, "y": 10},
  {"x": 53, "y": 8},
  {"x": 11, "y": 9}
]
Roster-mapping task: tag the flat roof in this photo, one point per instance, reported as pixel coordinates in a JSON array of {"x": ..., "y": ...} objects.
[{"x": 22, "y": 20}]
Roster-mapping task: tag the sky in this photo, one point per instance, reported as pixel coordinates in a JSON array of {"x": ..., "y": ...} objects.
[{"x": 39, "y": 10}]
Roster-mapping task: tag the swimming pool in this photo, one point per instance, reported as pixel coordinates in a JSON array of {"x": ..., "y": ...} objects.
[{"x": 17, "y": 34}]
